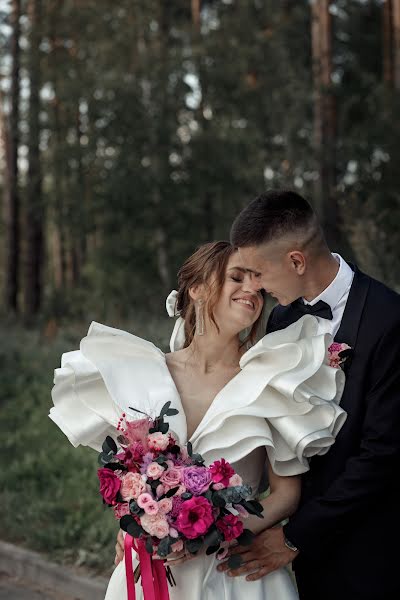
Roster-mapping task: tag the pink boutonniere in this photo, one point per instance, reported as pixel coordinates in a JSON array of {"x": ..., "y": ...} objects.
[{"x": 337, "y": 354}]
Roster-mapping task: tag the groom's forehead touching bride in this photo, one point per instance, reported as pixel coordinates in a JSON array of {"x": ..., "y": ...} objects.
[{"x": 280, "y": 241}]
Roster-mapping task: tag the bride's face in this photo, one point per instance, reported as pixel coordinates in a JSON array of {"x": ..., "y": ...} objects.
[{"x": 239, "y": 305}]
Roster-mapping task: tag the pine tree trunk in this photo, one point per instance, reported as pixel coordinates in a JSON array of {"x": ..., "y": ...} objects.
[
  {"x": 35, "y": 208},
  {"x": 396, "y": 42},
  {"x": 12, "y": 200},
  {"x": 205, "y": 198},
  {"x": 324, "y": 119},
  {"x": 387, "y": 35}
]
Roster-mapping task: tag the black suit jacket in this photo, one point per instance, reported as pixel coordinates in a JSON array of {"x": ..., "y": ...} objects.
[{"x": 347, "y": 525}]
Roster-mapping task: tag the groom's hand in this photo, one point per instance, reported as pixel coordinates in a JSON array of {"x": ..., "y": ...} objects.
[
  {"x": 266, "y": 554},
  {"x": 119, "y": 548}
]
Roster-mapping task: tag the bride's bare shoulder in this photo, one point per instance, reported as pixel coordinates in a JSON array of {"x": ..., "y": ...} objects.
[{"x": 177, "y": 359}]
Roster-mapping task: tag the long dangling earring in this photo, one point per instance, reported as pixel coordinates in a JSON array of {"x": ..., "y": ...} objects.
[{"x": 199, "y": 308}]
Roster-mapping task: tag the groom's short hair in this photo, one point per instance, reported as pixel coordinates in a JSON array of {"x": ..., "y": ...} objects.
[{"x": 276, "y": 214}]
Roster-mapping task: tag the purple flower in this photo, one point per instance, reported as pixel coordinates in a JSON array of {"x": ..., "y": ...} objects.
[
  {"x": 196, "y": 479},
  {"x": 146, "y": 461}
]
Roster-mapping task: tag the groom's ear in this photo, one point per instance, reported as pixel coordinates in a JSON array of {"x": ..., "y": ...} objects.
[{"x": 297, "y": 261}]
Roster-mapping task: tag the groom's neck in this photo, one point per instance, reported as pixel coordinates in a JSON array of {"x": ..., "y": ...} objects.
[{"x": 321, "y": 271}]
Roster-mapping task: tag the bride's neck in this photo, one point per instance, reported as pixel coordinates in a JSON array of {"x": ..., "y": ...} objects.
[{"x": 213, "y": 351}]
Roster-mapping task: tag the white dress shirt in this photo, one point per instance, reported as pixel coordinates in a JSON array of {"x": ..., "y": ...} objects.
[{"x": 336, "y": 295}]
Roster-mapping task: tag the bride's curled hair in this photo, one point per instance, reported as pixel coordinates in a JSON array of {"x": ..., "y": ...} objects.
[{"x": 207, "y": 266}]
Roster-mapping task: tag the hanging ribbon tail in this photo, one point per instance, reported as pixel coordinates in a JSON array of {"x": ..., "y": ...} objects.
[
  {"x": 130, "y": 578},
  {"x": 160, "y": 577},
  {"x": 154, "y": 578},
  {"x": 178, "y": 338}
]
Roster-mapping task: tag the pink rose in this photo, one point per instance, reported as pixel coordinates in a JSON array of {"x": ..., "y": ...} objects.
[
  {"x": 181, "y": 490},
  {"x": 110, "y": 484},
  {"x": 158, "y": 441},
  {"x": 195, "y": 517},
  {"x": 173, "y": 532},
  {"x": 235, "y": 480},
  {"x": 151, "y": 508},
  {"x": 144, "y": 499},
  {"x": 172, "y": 477},
  {"x": 161, "y": 529},
  {"x": 121, "y": 509},
  {"x": 230, "y": 526},
  {"x": 165, "y": 506},
  {"x": 132, "y": 486},
  {"x": 221, "y": 472},
  {"x": 154, "y": 470},
  {"x": 177, "y": 546},
  {"x": 155, "y": 525},
  {"x": 160, "y": 491}
]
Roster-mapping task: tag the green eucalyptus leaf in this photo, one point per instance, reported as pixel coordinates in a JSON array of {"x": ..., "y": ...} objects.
[
  {"x": 246, "y": 537},
  {"x": 213, "y": 537},
  {"x": 164, "y": 547},
  {"x": 212, "y": 549},
  {"x": 125, "y": 521},
  {"x": 235, "y": 561},
  {"x": 149, "y": 545},
  {"x": 165, "y": 408},
  {"x": 134, "y": 529},
  {"x": 171, "y": 492},
  {"x": 218, "y": 500},
  {"x": 194, "y": 546},
  {"x": 164, "y": 427},
  {"x": 171, "y": 412},
  {"x": 111, "y": 444}
]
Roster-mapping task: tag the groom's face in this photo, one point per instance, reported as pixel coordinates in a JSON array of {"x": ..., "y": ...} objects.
[{"x": 273, "y": 270}]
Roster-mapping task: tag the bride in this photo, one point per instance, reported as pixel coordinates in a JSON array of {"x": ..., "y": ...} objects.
[{"x": 271, "y": 406}]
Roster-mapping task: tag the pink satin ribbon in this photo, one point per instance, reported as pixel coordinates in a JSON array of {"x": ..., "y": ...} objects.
[{"x": 154, "y": 579}]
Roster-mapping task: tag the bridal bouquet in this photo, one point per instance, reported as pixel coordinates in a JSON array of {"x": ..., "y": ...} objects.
[{"x": 164, "y": 496}]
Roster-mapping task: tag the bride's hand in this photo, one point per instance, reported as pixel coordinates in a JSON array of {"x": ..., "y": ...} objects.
[
  {"x": 179, "y": 558},
  {"x": 175, "y": 559},
  {"x": 119, "y": 548}
]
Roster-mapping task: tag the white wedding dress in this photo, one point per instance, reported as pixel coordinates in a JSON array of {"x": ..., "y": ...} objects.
[{"x": 285, "y": 399}]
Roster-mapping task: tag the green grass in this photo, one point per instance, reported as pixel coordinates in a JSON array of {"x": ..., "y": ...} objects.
[{"x": 49, "y": 490}]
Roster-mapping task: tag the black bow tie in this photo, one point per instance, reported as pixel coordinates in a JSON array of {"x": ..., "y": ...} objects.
[{"x": 320, "y": 309}]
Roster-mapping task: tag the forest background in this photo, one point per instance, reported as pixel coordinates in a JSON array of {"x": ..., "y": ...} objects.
[{"x": 131, "y": 132}]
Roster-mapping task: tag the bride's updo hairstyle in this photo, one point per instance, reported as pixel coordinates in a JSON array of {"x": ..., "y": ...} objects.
[{"x": 207, "y": 266}]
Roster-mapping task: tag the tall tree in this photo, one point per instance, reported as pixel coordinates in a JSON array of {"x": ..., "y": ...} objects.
[
  {"x": 387, "y": 41},
  {"x": 12, "y": 198},
  {"x": 396, "y": 42},
  {"x": 324, "y": 119},
  {"x": 35, "y": 204}
]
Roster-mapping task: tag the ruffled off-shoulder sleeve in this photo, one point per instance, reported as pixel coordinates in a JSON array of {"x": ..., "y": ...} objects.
[
  {"x": 111, "y": 372},
  {"x": 285, "y": 398}
]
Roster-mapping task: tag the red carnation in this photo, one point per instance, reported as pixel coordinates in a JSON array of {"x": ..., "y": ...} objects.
[
  {"x": 230, "y": 526},
  {"x": 221, "y": 472}
]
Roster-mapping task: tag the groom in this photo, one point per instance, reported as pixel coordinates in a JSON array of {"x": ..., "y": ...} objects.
[{"x": 345, "y": 536}]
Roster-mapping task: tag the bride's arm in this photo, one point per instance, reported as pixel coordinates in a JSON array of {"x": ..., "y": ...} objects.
[{"x": 281, "y": 503}]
